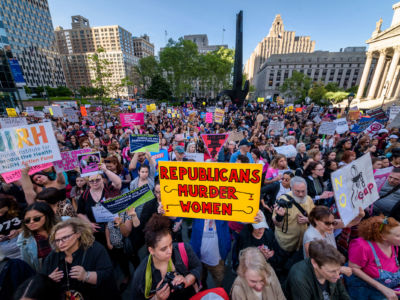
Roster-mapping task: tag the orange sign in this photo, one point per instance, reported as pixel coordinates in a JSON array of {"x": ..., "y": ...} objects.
[{"x": 83, "y": 111}]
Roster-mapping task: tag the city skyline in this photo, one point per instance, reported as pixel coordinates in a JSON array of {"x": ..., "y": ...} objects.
[{"x": 178, "y": 18}]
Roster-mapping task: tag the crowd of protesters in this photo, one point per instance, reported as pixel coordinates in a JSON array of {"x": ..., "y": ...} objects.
[{"x": 51, "y": 246}]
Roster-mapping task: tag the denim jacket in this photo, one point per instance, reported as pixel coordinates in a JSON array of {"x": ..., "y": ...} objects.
[{"x": 29, "y": 251}]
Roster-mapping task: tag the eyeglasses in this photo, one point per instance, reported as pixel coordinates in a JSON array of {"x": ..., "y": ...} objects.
[
  {"x": 95, "y": 181},
  {"x": 334, "y": 223},
  {"x": 285, "y": 179},
  {"x": 107, "y": 161},
  {"x": 34, "y": 219},
  {"x": 64, "y": 238}
]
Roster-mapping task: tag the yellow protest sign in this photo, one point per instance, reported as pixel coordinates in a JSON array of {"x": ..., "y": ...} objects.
[
  {"x": 260, "y": 99},
  {"x": 153, "y": 106},
  {"x": 173, "y": 115},
  {"x": 219, "y": 191},
  {"x": 286, "y": 110},
  {"x": 290, "y": 108},
  {"x": 169, "y": 111},
  {"x": 11, "y": 112},
  {"x": 50, "y": 111}
]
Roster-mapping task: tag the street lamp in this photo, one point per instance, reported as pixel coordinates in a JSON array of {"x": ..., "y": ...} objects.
[{"x": 350, "y": 98}]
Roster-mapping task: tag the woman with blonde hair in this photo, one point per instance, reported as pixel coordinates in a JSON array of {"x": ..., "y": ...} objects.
[
  {"x": 79, "y": 264},
  {"x": 256, "y": 278},
  {"x": 276, "y": 169}
]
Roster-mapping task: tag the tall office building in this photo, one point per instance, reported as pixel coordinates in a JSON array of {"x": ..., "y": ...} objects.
[
  {"x": 201, "y": 40},
  {"x": 278, "y": 41},
  {"x": 78, "y": 44},
  {"x": 26, "y": 26},
  {"x": 142, "y": 46}
]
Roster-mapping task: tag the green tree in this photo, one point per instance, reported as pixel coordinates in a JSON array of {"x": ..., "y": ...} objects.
[
  {"x": 179, "y": 61},
  {"x": 317, "y": 92},
  {"x": 296, "y": 87},
  {"x": 332, "y": 87},
  {"x": 353, "y": 89},
  {"x": 336, "y": 97},
  {"x": 147, "y": 68},
  {"x": 159, "y": 89}
]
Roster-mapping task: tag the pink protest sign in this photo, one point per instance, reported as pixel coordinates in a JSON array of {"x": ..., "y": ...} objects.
[
  {"x": 69, "y": 160},
  {"x": 131, "y": 119},
  {"x": 16, "y": 175},
  {"x": 209, "y": 117},
  {"x": 381, "y": 175}
]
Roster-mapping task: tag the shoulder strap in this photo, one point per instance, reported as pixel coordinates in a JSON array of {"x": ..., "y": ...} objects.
[
  {"x": 182, "y": 252},
  {"x": 298, "y": 206},
  {"x": 377, "y": 261},
  {"x": 83, "y": 258},
  {"x": 394, "y": 189}
]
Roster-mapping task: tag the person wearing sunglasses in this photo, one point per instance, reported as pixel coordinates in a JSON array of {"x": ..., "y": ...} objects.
[
  {"x": 33, "y": 241},
  {"x": 79, "y": 264}
]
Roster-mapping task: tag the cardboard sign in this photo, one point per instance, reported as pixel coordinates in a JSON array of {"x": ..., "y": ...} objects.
[
  {"x": 374, "y": 128},
  {"x": 235, "y": 136},
  {"x": 71, "y": 114},
  {"x": 395, "y": 123},
  {"x": 214, "y": 142},
  {"x": 327, "y": 128},
  {"x": 12, "y": 122},
  {"x": 354, "y": 186},
  {"x": 219, "y": 115},
  {"x": 354, "y": 115},
  {"x": 394, "y": 111},
  {"x": 143, "y": 142},
  {"x": 131, "y": 119},
  {"x": 222, "y": 191},
  {"x": 89, "y": 163},
  {"x": 83, "y": 111},
  {"x": 197, "y": 157},
  {"x": 381, "y": 175},
  {"x": 289, "y": 151},
  {"x": 32, "y": 144},
  {"x": 16, "y": 174},
  {"x": 209, "y": 117},
  {"x": 260, "y": 118},
  {"x": 69, "y": 160},
  {"x": 277, "y": 126},
  {"x": 131, "y": 199},
  {"x": 341, "y": 125}
]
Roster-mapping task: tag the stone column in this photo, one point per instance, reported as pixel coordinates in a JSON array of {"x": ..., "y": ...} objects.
[
  {"x": 383, "y": 85},
  {"x": 377, "y": 74},
  {"x": 392, "y": 70},
  {"x": 364, "y": 77}
]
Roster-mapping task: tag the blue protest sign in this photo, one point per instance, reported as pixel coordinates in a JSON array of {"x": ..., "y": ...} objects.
[
  {"x": 162, "y": 155},
  {"x": 131, "y": 199},
  {"x": 143, "y": 142}
]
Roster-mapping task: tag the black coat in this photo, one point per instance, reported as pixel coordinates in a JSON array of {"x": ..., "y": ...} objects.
[{"x": 96, "y": 260}]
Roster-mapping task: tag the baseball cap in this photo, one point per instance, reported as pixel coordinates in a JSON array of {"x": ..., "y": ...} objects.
[
  {"x": 244, "y": 142},
  {"x": 383, "y": 131},
  {"x": 393, "y": 136},
  {"x": 179, "y": 149},
  {"x": 262, "y": 224}
]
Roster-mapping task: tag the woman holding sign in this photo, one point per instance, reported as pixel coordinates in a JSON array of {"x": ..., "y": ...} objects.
[{"x": 170, "y": 271}]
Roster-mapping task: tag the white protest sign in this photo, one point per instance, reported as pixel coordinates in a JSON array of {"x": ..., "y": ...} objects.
[
  {"x": 276, "y": 125},
  {"x": 32, "y": 144},
  {"x": 394, "y": 110},
  {"x": 289, "y": 151},
  {"x": 38, "y": 114},
  {"x": 197, "y": 157},
  {"x": 317, "y": 119},
  {"x": 29, "y": 110},
  {"x": 354, "y": 186},
  {"x": 71, "y": 114},
  {"x": 327, "y": 128},
  {"x": 57, "y": 111},
  {"x": 12, "y": 122},
  {"x": 374, "y": 128},
  {"x": 395, "y": 123},
  {"x": 341, "y": 125},
  {"x": 102, "y": 214}
]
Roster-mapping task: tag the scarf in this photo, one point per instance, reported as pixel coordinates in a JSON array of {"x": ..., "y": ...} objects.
[{"x": 149, "y": 277}]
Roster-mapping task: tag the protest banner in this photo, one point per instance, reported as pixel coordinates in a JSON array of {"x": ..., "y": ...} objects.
[
  {"x": 89, "y": 163},
  {"x": 209, "y": 117},
  {"x": 214, "y": 142},
  {"x": 354, "y": 186},
  {"x": 102, "y": 214},
  {"x": 277, "y": 126},
  {"x": 69, "y": 160},
  {"x": 161, "y": 155},
  {"x": 289, "y": 151},
  {"x": 57, "y": 111},
  {"x": 381, "y": 175},
  {"x": 260, "y": 99},
  {"x": 134, "y": 198},
  {"x": 131, "y": 119},
  {"x": 394, "y": 110},
  {"x": 144, "y": 142},
  {"x": 197, "y": 157},
  {"x": 29, "y": 144},
  {"x": 11, "y": 112},
  {"x": 374, "y": 128},
  {"x": 83, "y": 111},
  {"x": 219, "y": 115},
  {"x": 12, "y": 122},
  {"x": 16, "y": 174},
  {"x": 341, "y": 125},
  {"x": 395, "y": 123},
  {"x": 38, "y": 114},
  {"x": 362, "y": 124},
  {"x": 222, "y": 191},
  {"x": 327, "y": 128},
  {"x": 290, "y": 108},
  {"x": 235, "y": 136},
  {"x": 377, "y": 113},
  {"x": 29, "y": 110}
]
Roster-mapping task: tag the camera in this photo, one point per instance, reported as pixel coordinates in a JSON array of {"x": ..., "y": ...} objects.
[
  {"x": 169, "y": 277},
  {"x": 283, "y": 203}
]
